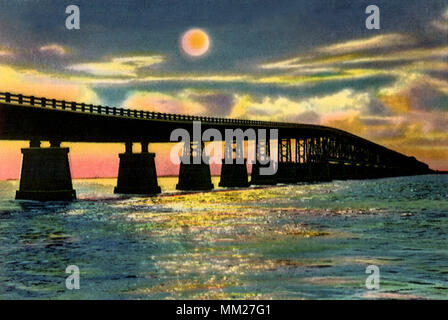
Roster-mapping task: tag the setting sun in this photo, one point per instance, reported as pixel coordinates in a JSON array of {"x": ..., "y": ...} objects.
[{"x": 195, "y": 42}]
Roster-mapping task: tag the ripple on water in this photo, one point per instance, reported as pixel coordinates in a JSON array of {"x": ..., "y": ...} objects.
[{"x": 286, "y": 242}]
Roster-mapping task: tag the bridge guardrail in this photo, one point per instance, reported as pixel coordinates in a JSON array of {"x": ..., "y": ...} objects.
[{"x": 123, "y": 112}]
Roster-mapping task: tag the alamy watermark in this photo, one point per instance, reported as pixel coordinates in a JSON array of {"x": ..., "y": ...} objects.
[
  {"x": 373, "y": 281},
  {"x": 73, "y": 20},
  {"x": 373, "y": 20},
  {"x": 72, "y": 281},
  {"x": 262, "y": 147}
]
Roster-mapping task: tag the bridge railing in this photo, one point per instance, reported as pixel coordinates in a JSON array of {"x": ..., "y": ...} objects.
[{"x": 43, "y": 102}]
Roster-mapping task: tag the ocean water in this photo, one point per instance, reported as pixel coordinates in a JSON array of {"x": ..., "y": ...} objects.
[{"x": 309, "y": 241}]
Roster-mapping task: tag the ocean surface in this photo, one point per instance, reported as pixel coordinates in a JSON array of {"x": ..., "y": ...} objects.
[{"x": 309, "y": 241}]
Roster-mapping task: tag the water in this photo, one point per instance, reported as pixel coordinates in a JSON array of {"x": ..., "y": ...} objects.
[{"x": 285, "y": 242}]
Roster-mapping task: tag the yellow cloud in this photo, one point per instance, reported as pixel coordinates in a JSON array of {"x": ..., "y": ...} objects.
[
  {"x": 376, "y": 42},
  {"x": 399, "y": 103},
  {"x": 405, "y": 55},
  {"x": 195, "y": 78},
  {"x": 342, "y": 74},
  {"x": 311, "y": 62},
  {"x": 121, "y": 66},
  {"x": 284, "y": 109},
  {"x": 32, "y": 82},
  {"x": 341, "y": 52}
]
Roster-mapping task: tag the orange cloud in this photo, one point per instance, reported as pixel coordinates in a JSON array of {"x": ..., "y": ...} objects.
[{"x": 399, "y": 103}]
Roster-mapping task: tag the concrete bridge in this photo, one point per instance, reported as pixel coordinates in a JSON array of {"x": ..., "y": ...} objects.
[{"x": 306, "y": 153}]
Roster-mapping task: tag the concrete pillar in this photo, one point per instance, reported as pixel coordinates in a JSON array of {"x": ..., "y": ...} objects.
[
  {"x": 194, "y": 175},
  {"x": 262, "y": 154},
  {"x": 287, "y": 172},
  {"x": 363, "y": 171},
  {"x": 339, "y": 171},
  {"x": 287, "y": 169},
  {"x": 369, "y": 171},
  {"x": 350, "y": 171},
  {"x": 320, "y": 172},
  {"x": 303, "y": 172},
  {"x": 137, "y": 172},
  {"x": 45, "y": 174},
  {"x": 234, "y": 173},
  {"x": 257, "y": 179}
]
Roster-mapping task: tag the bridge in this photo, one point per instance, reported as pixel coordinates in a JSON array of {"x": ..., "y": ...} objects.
[{"x": 306, "y": 153}]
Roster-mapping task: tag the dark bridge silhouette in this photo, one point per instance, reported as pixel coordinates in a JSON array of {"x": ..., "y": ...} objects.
[{"x": 306, "y": 153}]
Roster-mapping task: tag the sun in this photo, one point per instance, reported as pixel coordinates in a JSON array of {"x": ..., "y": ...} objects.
[{"x": 195, "y": 42}]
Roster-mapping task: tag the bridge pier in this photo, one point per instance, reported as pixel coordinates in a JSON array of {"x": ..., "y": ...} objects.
[
  {"x": 45, "y": 173},
  {"x": 303, "y": 172},
  {"x": 233, "y": 172},
  {"x": 234, "y": 175},
  {"x": 339, "y": 171},
  {"x": 366, "y": 171},
  {"x": 194, "y": 175},
  {"x": 356, "y": 171},
  {"x": 303, "y": 168},
  {"x": 137, "y": 172},
  {"x": 320, "y": 172},
  {"x": 258, "y": 179},
  {"x": 287, "y": 170},
  {"x": 262, "y": 155},
  {"x": 370, "y": 172}
]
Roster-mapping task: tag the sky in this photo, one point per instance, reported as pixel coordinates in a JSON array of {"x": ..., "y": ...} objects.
[{"x": 295, "y": 61}]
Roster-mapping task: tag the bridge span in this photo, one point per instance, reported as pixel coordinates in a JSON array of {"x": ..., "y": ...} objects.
[{"x": 306, "y": 153}]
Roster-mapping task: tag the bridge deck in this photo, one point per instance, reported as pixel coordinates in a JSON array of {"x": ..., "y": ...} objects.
[{"x": 23, "y": 117}]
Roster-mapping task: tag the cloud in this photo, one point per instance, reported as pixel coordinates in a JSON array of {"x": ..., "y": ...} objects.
[
  {"x": 218, "y": 104},
  {"x": 411, "y": 55},
  {"x": 193, "y": 102},
  {"x": 33, "y": 82},
  {"x": 5, "y": 52},
  {"x": 166, "y": 103},
  {"x": 442, "y": 23},
  {"x": 293, "y": 80},
  {"x": 378, "y": 56},
  {"x": 339, "y": 63},
  {"x": 346, "y": 102},
  {"x": 376, "y": 108},
  {"x": 310, "y": 117},
  {"x": 341, "y": 52},
  {"x": 121, "y": 66},
  {"x": 376, "y": 42},
  {"x": 195, "y": 78},
  {"x": 416, "y": 92},
  {"x": 54, "y": 48}
]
